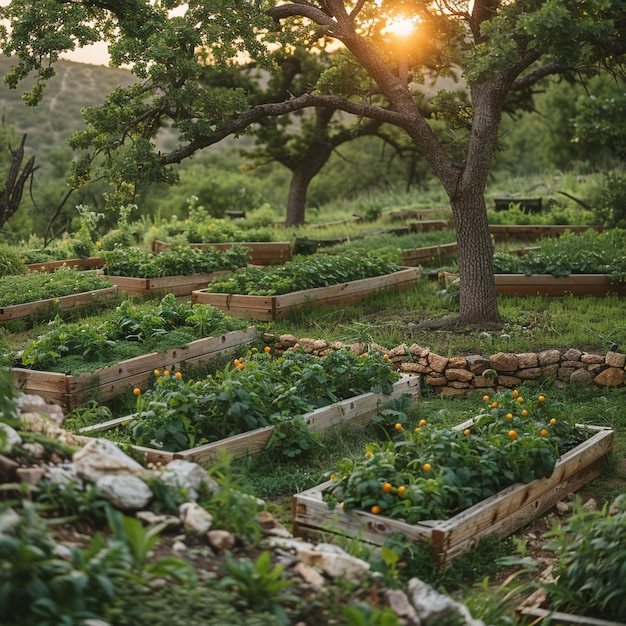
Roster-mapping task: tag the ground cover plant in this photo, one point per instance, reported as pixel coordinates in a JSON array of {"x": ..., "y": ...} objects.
[
  {"x": 430, "y": 472},
  {"x": 136, "y": 263},
  {"x": 558, "y": 215},
  {"x": 131, "y": 330},
  {"x": 305, "y": 272},
  {"x": 589, "y": 252},
  {"x": 179, "y": 412},
  {"x": 35, "y": 286}
]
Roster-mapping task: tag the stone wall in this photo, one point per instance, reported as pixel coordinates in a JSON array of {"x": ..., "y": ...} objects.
[{"x": 457, "y": 375}]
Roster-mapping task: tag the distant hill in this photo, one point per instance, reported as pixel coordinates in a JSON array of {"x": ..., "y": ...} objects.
[{"x": 58, "y": 116}]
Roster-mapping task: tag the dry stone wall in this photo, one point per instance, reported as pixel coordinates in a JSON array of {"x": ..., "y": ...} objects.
[{"x": 457, "y": 376}]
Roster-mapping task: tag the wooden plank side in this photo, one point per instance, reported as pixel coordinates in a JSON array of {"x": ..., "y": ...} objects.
[
  {"x": 91, "y": 263},
  {"x": 545, "y": 284},
  {"x": 18, "y": 311},
  {"x": 557, "y": 617},
  {"x": 177, "y": 285},
  {"x": 418, "y": 255},
  {"x": 261, "y": 252}
]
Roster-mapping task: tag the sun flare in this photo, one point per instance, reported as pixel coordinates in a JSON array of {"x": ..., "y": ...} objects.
[{"x": 400, "y": 26}]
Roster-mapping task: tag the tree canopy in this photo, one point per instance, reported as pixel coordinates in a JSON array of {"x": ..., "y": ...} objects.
[{"x": 498, "y": 48}]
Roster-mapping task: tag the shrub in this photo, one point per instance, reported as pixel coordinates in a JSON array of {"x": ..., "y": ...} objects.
[{"x": 10, "y": 262}]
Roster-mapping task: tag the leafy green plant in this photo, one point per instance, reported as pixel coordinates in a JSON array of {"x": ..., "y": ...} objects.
[
  {"x": 252, "y": 392},
  {"x": 10, "y": 261},
  {"x": 132, "y": 330},
  {"x": 307, "y": 272},
  {"x": 431, "y": 472},
  {"x": 137, "y": 263},
  {"x": 591, "y": 552},
  {"x": 36, "y": 286},
  {"x": 260, "y": 583}
]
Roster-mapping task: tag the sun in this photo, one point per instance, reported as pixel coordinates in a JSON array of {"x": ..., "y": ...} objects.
[{"x": 400, "y": 26}]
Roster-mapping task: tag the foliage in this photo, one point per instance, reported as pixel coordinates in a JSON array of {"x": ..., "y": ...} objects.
[
  {"x": 143, "y": 327},
  {"x": 589, "y": 252},
  {"x": 588, "y": 577},
  {"x": 173, "y": 262},
  {"x": 37, "y": 286},
  {"x": 309, "y": 272},
  {"x": 433, "y": 472},
  {"x": 260, "y": 583},
  {"x": 256, "y": 391},
  {"x": 551, "y": 215},
  {"x": 609, "y": 200},
  {"x": 10, "y": 261}
]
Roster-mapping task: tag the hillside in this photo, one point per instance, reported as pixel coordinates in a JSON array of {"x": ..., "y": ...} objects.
[{"x": 58, "y": 116}]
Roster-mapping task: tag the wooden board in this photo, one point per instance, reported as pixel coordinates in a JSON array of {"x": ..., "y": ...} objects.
[
  {"x": 109, "y": 382},
  {"x": 530, "y": 232},
  {"x": 547, "y": 285},
  {"x": 413, "y": 258},
  {"x": 499, "y": 515},
  {"x": 352, "y": 412},
  {"x": 90, "y": 263},
  {"x": 277, "y": 307},
  {"x": 17, "y": 311},
  {"x": 261, "y": 252},
  {"x": 556, "y": 617},
  {"x": 177, "y": 285}
]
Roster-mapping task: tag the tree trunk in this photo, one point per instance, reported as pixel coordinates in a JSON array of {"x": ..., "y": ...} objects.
[
  {"x": 11, "y": 197},
  {"x": 478, "y": 305},
  {"x": 302, "y": 175}
]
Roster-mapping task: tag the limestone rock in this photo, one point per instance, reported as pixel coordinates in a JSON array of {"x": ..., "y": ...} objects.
[
  {"x": 170, "y": 522},
  {"x": 548, "y": 357},
  {"x": 462, "y": 375},
  {"x": 191, "y": 477},
  {"x": 437, "y": 363},
  {"x": 9, "y": 437},
  {"x": 101, "y": 457},
  {"x": 581, "y": 377},
  {"x": 309, "y": 575},
  {"x": 221, "y": 540},
  {"x": 196, "y": 520},
  {"x": 125, "y": 492},
  {"x": 615, "y": 359},
  {"x": 504, "y": 362},
  {"x": 29, "y": 403},
  {"x": 611, "y": 377},
  {"x": 527, "y": 360},
  {"x": 335, "y": 563}
]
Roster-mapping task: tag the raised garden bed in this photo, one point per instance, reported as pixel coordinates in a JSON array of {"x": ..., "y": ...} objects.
[
  {"x": 499, "y": 515},
  {"x": 106, "y": 383},
  {"x": 548, "y": 285},
  {"x": 177, "y": 285},
  {"x": 18, "y": 311},
  {"x": 526, "y": 205},
  {"x": 524, "y": 232},
  {"x": 261, "y": 252},
  {"x": 90, "y": 263},
  {"x": 417, "y": 256},
  {"x": 277, "y": 307},
  {"x": 353, "y": 412}
]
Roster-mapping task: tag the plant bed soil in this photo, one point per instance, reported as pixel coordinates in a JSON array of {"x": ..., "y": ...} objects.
[
  {"x": 85, "y": 298},
  {"x": 108, "y": 382},
  {"x": 177, "y": 285},
  {"x": 548, "y": 285},
  {"x": 353, "y": 412},
  {"x": 90, "y": 263},
  {"x": 277, "y": 307},
  {"x": 500, "y": 515},
  {"x": 261, "y": 252}
]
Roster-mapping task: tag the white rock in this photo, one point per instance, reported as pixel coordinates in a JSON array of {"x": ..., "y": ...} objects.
[
  {"x": 101, "y": 457},
  {"x": 221, "y": 539},
  {"x": 64, "y": 475},
  {"x": 309, "y": 575},
  {"x": 196, "y": 520},
  {"x": 149, "y": 518},
  {"x": 181, "y": 474},
  {"x": 432, "y": 607},
  {"x": 29, "y": 403},
  {"x": 9, "y": 437},
  {"x": 125, "y": 492},
  {"x": 335, "y": 564},
  {"x": 179, "y": 546}
]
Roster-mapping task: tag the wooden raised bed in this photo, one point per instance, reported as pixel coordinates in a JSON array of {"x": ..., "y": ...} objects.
[
  {"x": 526, "y": 205},
  {"x": 499, "y": 515},
  {"x": 277, "y": 307},
  {"x": 90, "y": 263},
  {"x": 18, "y": 311},
  {"x": 523, "y": 232},
  {"x": 557, "y": 617},
  {"x": 261, "y": 252},
  {"x": 413, "y": 258},
  {"x": 109, "y": 382},
  {"x": 177, "y": 285},
  {"x": 548, "y": 285},
  {"x": 352, "y": 412}
]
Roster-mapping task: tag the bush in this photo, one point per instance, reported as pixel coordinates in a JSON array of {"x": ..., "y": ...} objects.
[{"x": 10, "y": 262}]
